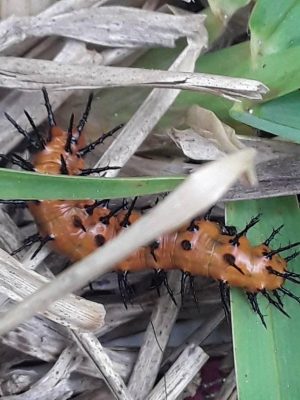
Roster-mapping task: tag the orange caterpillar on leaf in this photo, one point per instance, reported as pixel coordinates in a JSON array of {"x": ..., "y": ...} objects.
[{"x": 206, "y": 248}]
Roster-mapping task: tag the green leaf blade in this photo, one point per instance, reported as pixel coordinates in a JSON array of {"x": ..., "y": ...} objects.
[
  {"x": 33, "y": 186},
  {"x": 267, "y": 360},
  {"x": 279, "y": 116},
  {"x": 274, "y": 27}
]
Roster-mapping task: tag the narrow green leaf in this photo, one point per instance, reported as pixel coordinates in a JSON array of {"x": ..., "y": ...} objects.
[
  {"x": 267, "y": 360},
  {"x": 29, "y": 185},
  {"x": 274, "y": 26},
  {"x": 279, "y": 116}
]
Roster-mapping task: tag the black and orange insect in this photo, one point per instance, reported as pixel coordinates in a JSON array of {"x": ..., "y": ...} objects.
[{"x": 203, "y": 247}]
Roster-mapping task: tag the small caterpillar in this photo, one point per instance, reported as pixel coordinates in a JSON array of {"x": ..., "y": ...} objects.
[{"x": 203, "y": 247}]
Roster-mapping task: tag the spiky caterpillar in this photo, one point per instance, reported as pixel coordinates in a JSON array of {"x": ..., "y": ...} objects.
[{"x": 203, "y": 247}]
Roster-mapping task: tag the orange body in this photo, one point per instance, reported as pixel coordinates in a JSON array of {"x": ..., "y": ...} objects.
[{"x": 203, "y": 250}]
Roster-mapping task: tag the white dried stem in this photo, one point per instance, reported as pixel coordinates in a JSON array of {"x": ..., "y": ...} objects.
[
  {"x": 30, "y": 74},
  {"x": 152, "y": 109},
  {"x": 65, "y": 364},
  {"x": 90, "y": 345},
  {"x": 17, "y": 283},
  {"x": 155, "y": 341},
  {"x": 180, "y": 374},
  {"x": 112, "y": 26},
  {"x": 102, "y": 362},
  {"x": 200, "y": 191},
  {"x": 45, "y": 340}
]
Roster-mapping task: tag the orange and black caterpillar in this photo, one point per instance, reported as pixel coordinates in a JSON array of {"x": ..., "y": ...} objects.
[{"x": 203, "y": 247}]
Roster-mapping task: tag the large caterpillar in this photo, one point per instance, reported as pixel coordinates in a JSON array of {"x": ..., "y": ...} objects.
[{"x": 203, "y": 247}]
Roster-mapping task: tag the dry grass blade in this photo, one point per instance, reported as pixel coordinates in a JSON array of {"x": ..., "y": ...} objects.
[
  {"x": 155, "y": 341},
  {"x": 102, "y": 362},
  {"x": 17, "y": 283},
  {"x": 107, "y": 26},
  {"x": 200, "y": 191},
  {"x": 65, "y": 364},
  {"x": 30, "y": 74},
  {"x": 208, "y": 125},
  {"x": 152, "y": 109}
]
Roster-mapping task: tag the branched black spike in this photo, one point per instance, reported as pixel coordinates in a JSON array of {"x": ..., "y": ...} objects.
[
  {"x": 184, "y": 276},
  {"x": 90, "y": 147},
  {"x": 276, "y": 294},
  {"x": 164, "y": 277},
  {"x": 224, "y": 292},
  {"x": 154, "y": 246},
  {"x": 63, "y": 166},
  {"x": 17, "y": 126},
  {"x": 169, "y": 290},
  {"x": 124, "y": 203},
  {"x": 18, "y": 160},
  {"x": 125, "y": 221},
  {"x": 252, "y": 297},
  {"x": 43, "y": 241},
  {"x": 274, "y": 303},
  {"x": 37, "y": 142},
  {"x": 208, "y": 214},
  {"x": 271, "y": 253},
  {"x": 290, "y": 276},
  {"x": 228, "y": 230},
  {"x": 273, "y": 234},
  {"x": 193, "y": 290},
  {"x": 30, "y": 240},
  {"x": 85, "y": 115},
  {"x": 125, "y": 290},
  {"x": 88, "y": 171},
  {"x": 90, "y": 208},
  {"x": 193, "y": 227},
  {"x": 5, "y": 157},
  {"x": 293, "y": 274},
  {"x": 105, "y": 220},
  {"x": 70, "y": 135},
  {"x": 21, "y": 162},
  {"x": 253, "y": 221},
  {"x": 51, "y": 119},
  {"x": 157, "y": 281},
  {"x": 289, "y": 293},
  {"x": 292, "y": 256}
]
